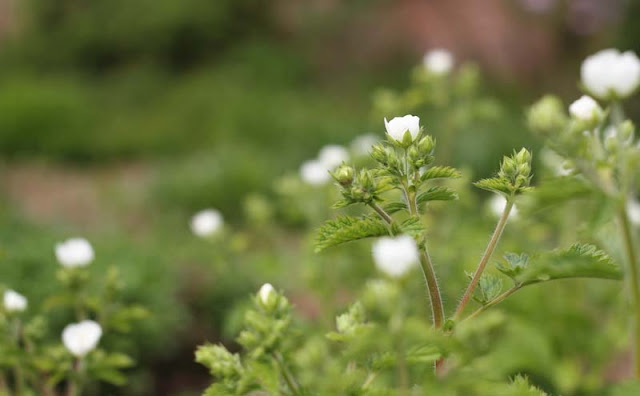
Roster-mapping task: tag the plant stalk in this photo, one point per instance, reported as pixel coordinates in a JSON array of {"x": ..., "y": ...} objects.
[
  {"x": 286, "y": 374},
  {"x": 493, "y": 242},
  {"x": 493, "y": 302},
  {"x": 634, "y": 283}
]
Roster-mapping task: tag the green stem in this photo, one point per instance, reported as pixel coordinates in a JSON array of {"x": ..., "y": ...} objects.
[
  {"x": 74, "y": 387},
  {"x": 493, "y": 242},
  {"x": 286, "y": 374},
  {"x": 381, "y": 212},
  {"x": 18, "y": 374},
  {"x": 493, "y": 302},
  {"x": 634, "y": 282},
  {"x": 428, "y": 271}
]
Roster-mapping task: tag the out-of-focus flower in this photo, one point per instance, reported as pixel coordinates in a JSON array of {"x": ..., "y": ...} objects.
[
  {"x": 362, "y": 144},
  {"x": 14, "y": 301},
  {"x": 332, "y": 155},
  {"x": 438, "y": 61},
  {"x": 81, "y": 338},
  {"x": 265, "y": 293},
  {"x": 314, "y": 172},
  {"x": 633, "y": 211},
  {"x": 398, "y": 126},
  {"x": 206, "y": 222},
  {"x": 556, "y": 163},
  {"x": 610, "y": 74},
  {"x": 395, "y": 256},
  {"x": 497, "y": 205},
  {"x": 586, "y": 109},
  {"x": 74, "y": 252}
]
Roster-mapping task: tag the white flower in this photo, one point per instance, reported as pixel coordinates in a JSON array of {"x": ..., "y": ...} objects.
[
  {"x": 397, "y": 127},
  {"x": 497, "y": 205},
  {"x": 438, "y": 61},
  {"x": 362, "y": 144},
  {"x": 333, "y": 155},
  {"x": 610, "y": 73},
  {"x": 585, "y": 109},
  {"x": 633, "y": 211},
  {"x": 395, "y": 256},
  {"x": 206, "y": 222},
  {"x": 14, "y": 301},
  {"x": 314, "y": 172},
  {"x": 74, "y": 252},
  {"x": 81, "y": 338},
  {"x": 265, "y": 292}
]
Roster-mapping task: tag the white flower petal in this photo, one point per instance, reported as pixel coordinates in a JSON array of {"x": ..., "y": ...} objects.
[
  {"x": 81, "y": 338},
  {"x": 206, "y": 222},
  {"x": 14, "y": 301},
  {"x": 438, "y": 61},
  {"x": 74, "y": 252},
  {"x": 395, "y": 256}
]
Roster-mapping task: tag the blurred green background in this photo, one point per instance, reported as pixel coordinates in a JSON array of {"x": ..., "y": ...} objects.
[{"x": 119, "y": 119}]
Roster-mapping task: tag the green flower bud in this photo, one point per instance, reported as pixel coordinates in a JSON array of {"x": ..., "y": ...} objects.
[
  {"x": 344, "y": 175},
  {"x": 426, "y": 145},
  {"x": 547, "y": 116},
  {"x": 380, "y": 154}
]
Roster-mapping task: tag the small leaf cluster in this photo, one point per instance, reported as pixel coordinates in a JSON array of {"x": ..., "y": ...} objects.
[{"x": 514, "y": 176}]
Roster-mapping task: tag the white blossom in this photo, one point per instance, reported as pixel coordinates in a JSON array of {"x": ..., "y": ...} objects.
[
  {"x": 333, "y": 155},
  {"x": 74, "y": 252},
  {"x": 206, "y": 222},
  {"x": 611, "y": 74},
  {"x": 14, "y": 301},
  {"x": 585, "y": 109},
  {"x": 362, "y": 144},
  {"x": 314, "y": 172},
  {"x": 633, "y": 211},
  {"x": 438, "y": 61},
  {"x": 265, "y": 292},
  {"x": 81, "y": 338},
  {"x": 397, "y": 127},
  {"x": 497, "y": 203},
  {"x": 395, "y": 255}
]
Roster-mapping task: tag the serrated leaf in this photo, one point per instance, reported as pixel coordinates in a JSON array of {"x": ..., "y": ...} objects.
[
  {"x": 423, "y": 354},
  {"x": 440, "y": 172},
  {"x": 436, "y": 194},
  {"x": 494, "y": 184},
  {"x": 561, "y": 189},
  {"x": 346, "y": 229},
  {"x": 412, "y": 226},
  {"x": 489, "y": 288},
  {"x": 579, "y": 261},
  {"x": 394, "y": 207}
]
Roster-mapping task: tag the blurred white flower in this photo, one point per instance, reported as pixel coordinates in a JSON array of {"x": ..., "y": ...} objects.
[
  {"x": 14, "y": 301},
  {"x": 74, "y": 252},
  {"x": 265, "y": 292},
  {"x": 81, "y": 338},
  {"x": 438, "y": 61},
  {"x": 314, "y": 172},
  {"x": 395, "y": 255},
  {"x": 397, "y": 127},
  {"x": 585, "y": 109},
  {"x": 610, "y": 74},
  {"x": 633, "y": 211},
  {"x": 206, "y": 222},
  {"x": 333, "y": 155},
  {"x": 497, "y": 203},
  {"x": 362, "y": 144}
]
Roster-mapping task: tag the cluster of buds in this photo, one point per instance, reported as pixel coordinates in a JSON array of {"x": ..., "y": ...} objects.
[
  {"x": 360, "y": 187},
  {"x": 421, "y": 154},
  {"x": 547, "y": 116},
  {"x": 517, "y": 170}
]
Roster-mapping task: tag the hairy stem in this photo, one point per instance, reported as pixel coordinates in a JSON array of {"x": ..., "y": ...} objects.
[
  {"x": 493, "y": 242},
  {"x": 633, "y": 281},
  {"x": 381, "y": 212},
  {"x": 286, "y": 374}
]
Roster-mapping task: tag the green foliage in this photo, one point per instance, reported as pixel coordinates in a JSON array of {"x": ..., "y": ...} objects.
[{"x": 346, "y": 229}]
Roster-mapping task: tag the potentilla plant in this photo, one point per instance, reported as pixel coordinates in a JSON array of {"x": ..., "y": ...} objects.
[
  {"x": 595, "y": 147},
  {"x": 36, "y": 359}
]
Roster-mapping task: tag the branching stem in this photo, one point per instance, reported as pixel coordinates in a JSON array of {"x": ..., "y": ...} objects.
[{"x": 493, "y": 242}]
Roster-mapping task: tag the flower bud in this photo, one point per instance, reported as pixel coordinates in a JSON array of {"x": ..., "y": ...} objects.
[
  {"x": 380, "y": 154},
  {"x": 14, "y": 301},
  {"x": 426, "y": 145},
  {"x": 344, "y": 175},
  {"x": 81, "y": 338},
  {"x": 547, "y": 116},
  {"x": 587, "y": 110},
  {"x": 267, "y": 296}
]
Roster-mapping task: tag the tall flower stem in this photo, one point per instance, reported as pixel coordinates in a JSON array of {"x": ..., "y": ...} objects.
[
  {"x": 493, "y": 242},
  {"x": 634, "y": 282},
  {"x": 428, "y": 271},
  {"x": 74, "y": 387}
]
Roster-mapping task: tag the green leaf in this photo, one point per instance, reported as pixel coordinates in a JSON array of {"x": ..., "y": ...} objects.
[
  {"x": 437, "y": 194},
  {"x": 412, "y": 226},
  {"x": 423, "y": 354},
  {"x": 494, "y": 184},
  {"x": 489, "y": 288},
  {"x": 346, "y": 229},
  {"x": 561, "y": 189},
  {"x": 440, "y": 172},
  {"x": 394, "y": 207},
  {"x": 579, "y": 261}
]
